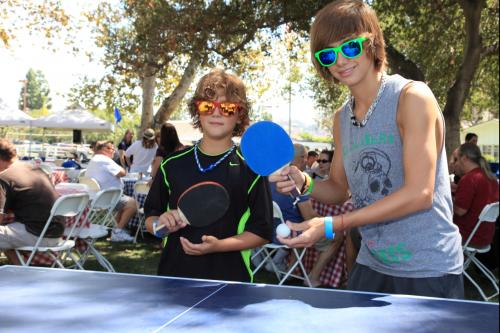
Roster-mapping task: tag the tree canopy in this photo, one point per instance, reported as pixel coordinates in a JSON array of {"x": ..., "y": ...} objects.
[
  {"x": 160, "y": 46},
  {"x": 37, "y": 91}
]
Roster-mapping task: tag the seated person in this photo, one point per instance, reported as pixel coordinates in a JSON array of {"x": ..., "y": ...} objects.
[
  {"x": 72, "y": 161},
  {"x": 107, "y": 173},
  {"x": 299, "y": 212},
  {"x": 143, "y": 152},
  {"x": 311, "y": 165},
  {"x": 27, "y": 193},
  {"x": 477, "y": 188},
  {"x": 324, "y": 163}
]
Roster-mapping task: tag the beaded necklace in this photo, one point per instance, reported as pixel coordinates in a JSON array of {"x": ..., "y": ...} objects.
[
  {"x": 213, "y": 165},
  {"x": 350, "y": 104}
]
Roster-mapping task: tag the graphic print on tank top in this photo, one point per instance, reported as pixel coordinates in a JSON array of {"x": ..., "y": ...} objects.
[{"x": 371, "y": 173}]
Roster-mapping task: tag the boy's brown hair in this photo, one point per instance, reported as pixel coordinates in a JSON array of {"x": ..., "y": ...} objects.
[
  {"x": 344, "y": 19},
  {"x": 207, "y": 89}
]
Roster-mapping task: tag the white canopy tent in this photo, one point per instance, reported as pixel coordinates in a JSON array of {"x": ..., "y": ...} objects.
[
  {"x": 13, "y": 117},
  {"x": 76, "y": 119}
]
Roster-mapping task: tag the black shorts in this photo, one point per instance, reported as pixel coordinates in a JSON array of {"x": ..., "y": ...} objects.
[{"x": 363, "y": 278}]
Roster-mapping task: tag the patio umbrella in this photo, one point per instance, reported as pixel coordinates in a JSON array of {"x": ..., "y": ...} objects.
[
  {"x": 76, "y": 119},
  {"x": 13, "y": 117}
]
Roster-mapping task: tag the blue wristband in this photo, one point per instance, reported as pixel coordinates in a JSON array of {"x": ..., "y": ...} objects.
[
  {"x": 303, "y": 198},
  {"x": 329, "y": 227}
]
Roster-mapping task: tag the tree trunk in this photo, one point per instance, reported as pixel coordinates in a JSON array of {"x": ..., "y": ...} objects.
[
  {"x": 170, "y": 103},
  {"x": 403, "y": 66},
  {"x": 458, "y": 93},
  {"x": 148, "y": 93}
]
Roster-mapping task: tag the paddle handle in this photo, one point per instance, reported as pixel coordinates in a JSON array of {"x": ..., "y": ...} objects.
[
  {"x": 295, "y": 193},
  {"x": 182, "y": 216}
]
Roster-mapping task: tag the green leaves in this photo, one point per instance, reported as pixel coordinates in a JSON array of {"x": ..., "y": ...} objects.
[{"x": 37, "y": 91}]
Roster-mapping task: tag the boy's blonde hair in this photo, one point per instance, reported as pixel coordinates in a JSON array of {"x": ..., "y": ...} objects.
[
  {"x": 217, "y": 82},
  {"x": 344, "y": 19}
]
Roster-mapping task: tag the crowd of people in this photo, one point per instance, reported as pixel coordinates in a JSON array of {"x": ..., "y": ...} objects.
[{"x": 409, "y": 220}]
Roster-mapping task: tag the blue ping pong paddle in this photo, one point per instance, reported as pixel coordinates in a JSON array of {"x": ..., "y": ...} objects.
[{"x": 267, "y": 149}]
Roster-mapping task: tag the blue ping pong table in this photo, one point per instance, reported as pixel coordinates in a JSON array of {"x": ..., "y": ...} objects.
[{"x": 53, "y": 300}]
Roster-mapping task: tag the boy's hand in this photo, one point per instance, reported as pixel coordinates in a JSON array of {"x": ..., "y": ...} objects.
[
  {"x": 288, "y": 179},
  {"x": 312, "y": 231},
  {"x": 171, "y": 220},
  {"x": 208, "y": 245}
]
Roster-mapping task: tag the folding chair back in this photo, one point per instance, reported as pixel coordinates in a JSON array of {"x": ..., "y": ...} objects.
[
  {"x": 269, "y": 250},
  {"x": 101, "y": 209},
  {"x": 71, "y": 205},
  {"x": 141, "y": 188},
  {"x": 90, "y": 182},
  {"x": 489, "y": 214},
  {"x": 101, "y": 218},
  {"x": 46, "y": 168}
]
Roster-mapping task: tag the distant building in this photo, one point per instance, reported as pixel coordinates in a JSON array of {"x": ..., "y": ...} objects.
[
  {"x": 186, "y": 132},
  {"x": 488, "y": 136}
]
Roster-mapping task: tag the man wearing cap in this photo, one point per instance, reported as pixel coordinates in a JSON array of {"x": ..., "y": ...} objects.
[
  {"x": 144, "y": 152},
  {"x": 107, "y": 173}
]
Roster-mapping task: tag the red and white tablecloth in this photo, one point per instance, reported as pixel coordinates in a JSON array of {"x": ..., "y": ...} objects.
[{"x": 335, "y": 272}]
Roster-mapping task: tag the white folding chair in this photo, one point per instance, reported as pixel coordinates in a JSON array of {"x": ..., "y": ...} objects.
[
  {"x": 101, "y": 217},
  {"x": 268, "y": 250},
  {"x": 46, "y": 168},
  {"x": 488, "y": 214},
  {"x": 140, "y": 188},
  {"x": 71, "y": 205},
  {"x": 90, "y": 182}
]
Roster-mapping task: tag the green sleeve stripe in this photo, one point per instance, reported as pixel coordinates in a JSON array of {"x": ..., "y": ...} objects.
[
  {"x": 253, "y": 184},
  {"x": 167, "y": 160},
  {"x": 165, "y": 239},
  {"x": 245, "y": 254}
]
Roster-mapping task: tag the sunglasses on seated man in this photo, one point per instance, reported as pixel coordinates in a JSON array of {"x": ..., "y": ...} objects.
[
  {"x": 351, "y": 49},
  {"x": 206, "y": 108},
  {"x": 323, "y": 161}
]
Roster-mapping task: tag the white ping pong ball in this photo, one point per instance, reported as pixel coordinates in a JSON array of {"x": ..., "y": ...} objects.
[{"x": 283, "y": 230}]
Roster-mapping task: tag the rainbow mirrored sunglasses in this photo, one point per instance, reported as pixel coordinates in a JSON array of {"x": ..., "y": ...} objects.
[
  {"x": 206, "y": 108},
  {"x": 351, "y": 49}
]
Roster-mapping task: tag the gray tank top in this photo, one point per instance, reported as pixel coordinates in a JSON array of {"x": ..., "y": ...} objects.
[{"x": 424, "y": 244}]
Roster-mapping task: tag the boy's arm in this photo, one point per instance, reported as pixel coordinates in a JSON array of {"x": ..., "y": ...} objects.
[{"x": 211, "y": 244}]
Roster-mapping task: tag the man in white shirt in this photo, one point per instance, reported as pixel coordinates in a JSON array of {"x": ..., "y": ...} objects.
[
  {"x": 107, "y": 173},
  {"x": 144, "y": 152}
]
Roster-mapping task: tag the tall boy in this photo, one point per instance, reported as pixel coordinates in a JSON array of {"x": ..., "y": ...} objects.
[{"x": 390, "y": 155}]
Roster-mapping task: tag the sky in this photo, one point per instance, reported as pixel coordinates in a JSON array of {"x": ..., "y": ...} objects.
[{"x": 63, "y": 69}]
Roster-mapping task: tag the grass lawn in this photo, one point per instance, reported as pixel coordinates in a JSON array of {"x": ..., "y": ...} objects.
[{"x": 143, "y": 257}]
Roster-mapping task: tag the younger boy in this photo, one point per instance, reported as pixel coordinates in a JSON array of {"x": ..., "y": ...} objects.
[{"x": 219, "y": 251}]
